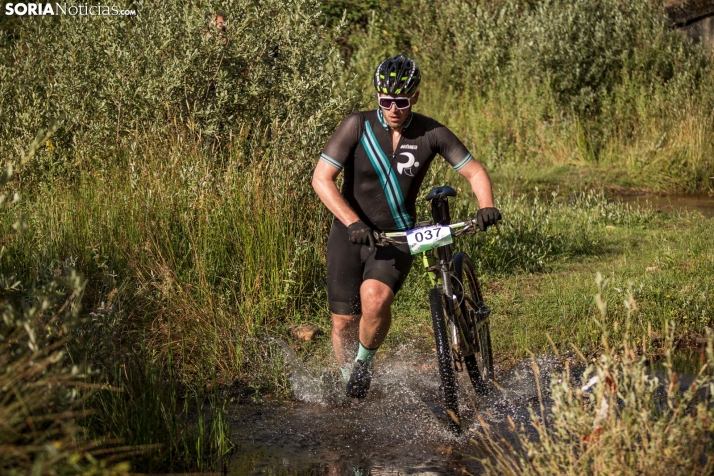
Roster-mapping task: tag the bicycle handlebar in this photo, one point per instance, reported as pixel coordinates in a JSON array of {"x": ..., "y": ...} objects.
[{"x": 459, "y": 228}]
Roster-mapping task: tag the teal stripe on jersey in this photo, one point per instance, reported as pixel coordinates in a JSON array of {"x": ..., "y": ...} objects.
[
  {"x": 380, "y": 116},
  {"x": 392, "y": 178},
  {"x": 331, "y": 161},
  {"x": 379, "y": 168},
  {"x": 387, "y": 177},
  {"x": 463, "y": 163}
]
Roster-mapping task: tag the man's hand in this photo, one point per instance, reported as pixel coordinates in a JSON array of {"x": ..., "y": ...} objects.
[
  {"x": 360, "y": 234},
  {"x": 487, "y": 217}
]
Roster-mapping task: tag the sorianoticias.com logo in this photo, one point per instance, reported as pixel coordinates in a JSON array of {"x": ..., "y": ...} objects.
[{"x": 85, "y": 9}]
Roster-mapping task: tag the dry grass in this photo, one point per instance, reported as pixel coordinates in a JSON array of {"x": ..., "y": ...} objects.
[{"x": 619, "y": 418}]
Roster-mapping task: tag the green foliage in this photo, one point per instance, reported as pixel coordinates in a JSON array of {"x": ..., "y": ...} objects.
[
  {"x": 618, "y": 418},
  {"x": 41, "y": 388},
  {"x": 583, "y": 50},
  {"x": 580, "y": 50},
  {"x": 179, "y": 181},
  {"x": 41, "y": 391},
  {"x": 141, "y": 77},
  {"x": 185, "y": 153},
  {"x": 559, "y": 82},
  {"x": 355, "y": 12}
]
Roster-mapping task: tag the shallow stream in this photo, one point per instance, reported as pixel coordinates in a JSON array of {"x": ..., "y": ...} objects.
[
  {"x": 401, "y": 428},
  {"x": 700, "y": 202}
]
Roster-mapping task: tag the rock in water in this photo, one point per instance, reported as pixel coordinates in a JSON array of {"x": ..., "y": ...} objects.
[{"x": 305, "y": 332}]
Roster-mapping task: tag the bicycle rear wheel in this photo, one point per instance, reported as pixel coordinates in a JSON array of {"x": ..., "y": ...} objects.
[
  {"x": 443, "y": 352},
  {"x": 479, "y": 363}
]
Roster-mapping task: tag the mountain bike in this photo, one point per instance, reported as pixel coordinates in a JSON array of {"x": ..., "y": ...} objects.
[{"x": 459, "y": 315}]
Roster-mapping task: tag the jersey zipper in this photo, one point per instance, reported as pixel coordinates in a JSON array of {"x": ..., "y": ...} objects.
[{"x": 399, "y": 142}]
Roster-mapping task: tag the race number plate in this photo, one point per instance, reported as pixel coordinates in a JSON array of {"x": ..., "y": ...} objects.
[{"x": 429, "y": 237}]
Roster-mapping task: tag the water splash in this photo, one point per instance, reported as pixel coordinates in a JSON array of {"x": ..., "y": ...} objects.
[
  {"x": 401, "y": 426},
  {"x": 518, "y": 392},
  {"x": 307, "y": 387}
]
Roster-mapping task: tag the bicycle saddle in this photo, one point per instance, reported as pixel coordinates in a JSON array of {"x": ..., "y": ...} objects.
[{"x": 441, "y": 192}]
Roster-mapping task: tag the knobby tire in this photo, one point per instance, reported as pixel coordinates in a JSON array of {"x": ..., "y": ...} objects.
[
  {"x": 479, "y": 365},
  {"x": 443, "y": 352}
]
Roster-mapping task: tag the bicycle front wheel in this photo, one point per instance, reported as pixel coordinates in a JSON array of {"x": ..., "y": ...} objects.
[
  {"x": 479, "y": 363},
  {"x": 443, "y": 352}
]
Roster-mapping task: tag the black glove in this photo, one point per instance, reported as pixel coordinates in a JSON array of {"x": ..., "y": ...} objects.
[
  {"x": 486, "y": 217},
  {"x": 361, "y": 234}
]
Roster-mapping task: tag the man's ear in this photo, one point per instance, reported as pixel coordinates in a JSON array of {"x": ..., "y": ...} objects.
[{"x": 415, "y": 98}]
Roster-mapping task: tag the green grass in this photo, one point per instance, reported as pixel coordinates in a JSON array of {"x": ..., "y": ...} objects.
[
  {"x": 539, "y": 274},
  {"x": 668, "y": 271},
  {"x": 190, "y": 274}
]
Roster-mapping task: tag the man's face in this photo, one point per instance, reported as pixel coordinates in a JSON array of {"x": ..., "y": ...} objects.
[{"x": 397, "y": 117}]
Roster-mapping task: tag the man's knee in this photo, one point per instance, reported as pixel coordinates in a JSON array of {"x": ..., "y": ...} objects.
[
  {"x": 343, "y": 322},
  {"x": 375, "y": 294}
]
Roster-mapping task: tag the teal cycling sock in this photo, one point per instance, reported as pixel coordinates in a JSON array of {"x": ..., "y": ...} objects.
[
  {"x": 345, "y": 373},
  {"x": 364, "y": 354}
]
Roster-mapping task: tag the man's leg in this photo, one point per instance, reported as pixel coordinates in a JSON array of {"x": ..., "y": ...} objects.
[
  {"x": 344, "y": 278},
  {"x": 377, "y": 299},
  {"x": 345, "y": 335}
]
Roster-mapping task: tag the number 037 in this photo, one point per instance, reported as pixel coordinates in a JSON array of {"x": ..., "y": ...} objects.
[{"x": 427, "y": 234}]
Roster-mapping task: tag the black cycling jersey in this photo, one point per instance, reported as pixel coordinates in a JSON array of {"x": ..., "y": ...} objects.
[{"x": 380, "y": 184}]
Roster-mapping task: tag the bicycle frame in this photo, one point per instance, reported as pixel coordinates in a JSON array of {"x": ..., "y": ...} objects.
[
  {"x": 460, "y": 319},
  {"x": 440, "y": 273},
  {"x": 437, "y": 264}
]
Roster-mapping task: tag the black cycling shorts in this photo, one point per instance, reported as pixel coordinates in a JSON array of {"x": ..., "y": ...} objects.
[{"x": 348, "y": 265}]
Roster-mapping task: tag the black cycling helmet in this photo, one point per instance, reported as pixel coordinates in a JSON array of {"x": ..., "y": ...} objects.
[{"x": 397, "y": 75}]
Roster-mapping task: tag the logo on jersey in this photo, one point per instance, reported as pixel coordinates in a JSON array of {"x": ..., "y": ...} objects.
[
  {"x": 409, "y": 146},
  {"x": 406, "y": 167}
]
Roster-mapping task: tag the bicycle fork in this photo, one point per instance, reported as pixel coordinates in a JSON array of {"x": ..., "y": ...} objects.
[{"x": 461, "y": 346}]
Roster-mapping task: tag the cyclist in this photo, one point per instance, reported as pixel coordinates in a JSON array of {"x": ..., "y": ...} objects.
[{"x": 385, "y": 154}]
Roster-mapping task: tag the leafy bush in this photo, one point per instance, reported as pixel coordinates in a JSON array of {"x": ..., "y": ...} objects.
[
  {"x": 185, "y": 153},
  {"x": 266, "y": 77},
  {"x": 274, "y": 100},
  {"x": 42, "y": 389},
  {"x": 580, "y": 50},
  {"x": 584, "y": 49}
]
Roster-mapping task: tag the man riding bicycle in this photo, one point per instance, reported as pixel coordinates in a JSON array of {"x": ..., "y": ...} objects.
[{"x": 385, "y": 154}]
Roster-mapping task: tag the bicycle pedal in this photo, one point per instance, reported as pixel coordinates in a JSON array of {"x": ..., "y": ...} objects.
[{"x": 483, "y": 311}]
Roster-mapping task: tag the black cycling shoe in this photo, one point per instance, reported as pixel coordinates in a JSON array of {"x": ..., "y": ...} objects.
[{"x": 360, "y": 378}]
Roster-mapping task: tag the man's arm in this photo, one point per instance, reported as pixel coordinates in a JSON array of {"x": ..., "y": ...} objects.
[
  {"x": 480, "y": 182},
  {"x": 323, "y": 182}
]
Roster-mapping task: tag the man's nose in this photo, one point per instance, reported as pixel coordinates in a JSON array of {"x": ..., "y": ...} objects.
[{"x": 392, "y": 106}]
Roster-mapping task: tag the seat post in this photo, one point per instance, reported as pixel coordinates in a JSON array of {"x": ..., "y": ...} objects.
[{"x": 440, "y": 210}]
